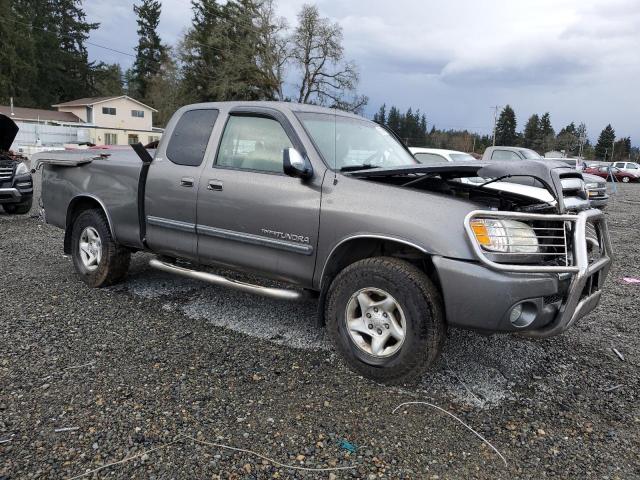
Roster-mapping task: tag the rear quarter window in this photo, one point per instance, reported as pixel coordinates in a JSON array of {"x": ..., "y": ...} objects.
[{"x": 190, "y": 136}]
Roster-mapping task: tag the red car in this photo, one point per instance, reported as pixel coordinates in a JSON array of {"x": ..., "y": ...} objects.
[{"x": 606, "y": 172}]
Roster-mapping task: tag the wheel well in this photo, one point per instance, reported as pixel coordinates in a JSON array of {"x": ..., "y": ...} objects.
[
  {"x": 357, "y": 249},
  {"x": 75, "y": 208}
]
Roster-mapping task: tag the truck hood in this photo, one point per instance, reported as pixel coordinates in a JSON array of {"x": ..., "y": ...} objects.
[
  {"x": 8, "y": 132},
  {"x": 562, "y": 183}
]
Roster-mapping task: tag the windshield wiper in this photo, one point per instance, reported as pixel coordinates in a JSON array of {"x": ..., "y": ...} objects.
[{"x": 355, "y": 168}]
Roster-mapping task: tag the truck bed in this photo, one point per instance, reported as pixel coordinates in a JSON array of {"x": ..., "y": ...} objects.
[{"x": 111, "y": 176}]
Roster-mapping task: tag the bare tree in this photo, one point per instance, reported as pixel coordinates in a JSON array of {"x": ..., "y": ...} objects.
[
  {"x": 273, "y": 51},
  {"x": 316, "y": 49}
]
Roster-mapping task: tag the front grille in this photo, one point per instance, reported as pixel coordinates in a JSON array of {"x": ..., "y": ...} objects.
[{"x": 6, "y": 173}]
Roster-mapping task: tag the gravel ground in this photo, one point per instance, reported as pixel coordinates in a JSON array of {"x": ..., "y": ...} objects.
[{"x": 166, "y": 364}]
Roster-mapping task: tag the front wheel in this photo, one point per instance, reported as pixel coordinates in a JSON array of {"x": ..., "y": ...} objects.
[
  {"x": 625, "y": 179},
  {"x": 18, "y": 208},
  {"x": 385, "y": 317},
  {"x": 98, "y": 260}
]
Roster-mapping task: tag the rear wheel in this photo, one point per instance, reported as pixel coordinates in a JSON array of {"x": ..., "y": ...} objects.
[
  {"x": 625, "y": 179},
  {"x": 385, "y": 317},
  {"x": 99, "y": 261}
]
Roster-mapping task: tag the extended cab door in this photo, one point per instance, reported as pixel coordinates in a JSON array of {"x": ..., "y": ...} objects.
[
  {"x": 172, "y": 184},
  {"x": 250, "y": 214}
]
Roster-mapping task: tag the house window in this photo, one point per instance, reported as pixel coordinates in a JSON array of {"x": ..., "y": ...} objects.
[
  {"x": 110, "y": 138},
  {"x": 137, "y": 113},
  {"x": 108, "y": 111},
  {"x": 153, "y": 138},
  {"x": 133, "y": 139}
]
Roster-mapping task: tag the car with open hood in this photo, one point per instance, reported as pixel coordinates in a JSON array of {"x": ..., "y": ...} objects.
[
  {"x": 335, "y": 207},
  {"x": 16, "y": 183}
]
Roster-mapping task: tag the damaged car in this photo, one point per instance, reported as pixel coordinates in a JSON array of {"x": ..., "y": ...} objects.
[
  {"x": 16, "y": 184},
  {"x": 332, "y": 204}
]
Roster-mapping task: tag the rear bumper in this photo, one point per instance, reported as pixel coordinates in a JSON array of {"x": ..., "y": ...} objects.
[{"x": 481, "y": 295}]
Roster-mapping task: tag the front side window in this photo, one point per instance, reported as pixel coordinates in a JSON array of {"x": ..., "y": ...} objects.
[
  {"x": 504, "y": 155},
  {"x": 429, "y": 158},
  {"x": 137, "y": 113},
  {"x": 253, "y": 143},
  {"x": 530, "y": 154},
  {"x": 188, "y": 142},
  {"x": 462, "y": 157},
  {"x": 632, "y": 166},
  {"x": 108, "y": 111},
  {"x": 346, "y": 142}
]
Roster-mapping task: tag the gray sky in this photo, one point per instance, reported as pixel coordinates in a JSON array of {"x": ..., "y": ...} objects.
[{"x": 577, "y": 59}]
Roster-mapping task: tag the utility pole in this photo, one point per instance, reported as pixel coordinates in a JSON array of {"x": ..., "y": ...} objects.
[
  {"x": 613, "y": 147},
  {"x": 495, "y": 122}
]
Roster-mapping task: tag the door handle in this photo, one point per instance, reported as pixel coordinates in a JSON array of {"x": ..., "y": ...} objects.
[
  {"x": 215, "y": 185},
  {"x": 186, "y": 182}
]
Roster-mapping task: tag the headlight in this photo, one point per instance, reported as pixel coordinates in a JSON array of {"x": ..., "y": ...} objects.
[
  {"x": 589, "y": 186},
  {"x": 22, "y": 169},
  {"x": 505, "y": 236}
]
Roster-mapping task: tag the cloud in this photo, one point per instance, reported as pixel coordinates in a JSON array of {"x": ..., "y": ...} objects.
[{"x": 577, "y": 59}]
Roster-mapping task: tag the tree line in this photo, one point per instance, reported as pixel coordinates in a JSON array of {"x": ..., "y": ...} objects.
[
  {"x": 539, "y": 135},
  {"x": 233, "y": 50}
]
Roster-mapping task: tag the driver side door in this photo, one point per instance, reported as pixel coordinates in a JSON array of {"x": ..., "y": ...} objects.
[{"x": 250, "y": 214}]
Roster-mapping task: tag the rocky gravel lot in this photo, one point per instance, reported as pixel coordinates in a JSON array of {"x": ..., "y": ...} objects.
[{"x": 159, "y": 370}]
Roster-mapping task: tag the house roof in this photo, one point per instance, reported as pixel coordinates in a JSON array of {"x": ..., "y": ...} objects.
[
  {"x": 35, "y": 114},
  {"x": 84, "y": 102}
]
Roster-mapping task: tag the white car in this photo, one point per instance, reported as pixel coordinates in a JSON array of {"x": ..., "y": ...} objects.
[
  {"x": 439, "y": 155},
  {"x": 628, "y": 167}
]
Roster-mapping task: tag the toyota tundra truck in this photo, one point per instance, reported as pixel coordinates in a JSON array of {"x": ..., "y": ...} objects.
[{"x": 336, "y": 208}]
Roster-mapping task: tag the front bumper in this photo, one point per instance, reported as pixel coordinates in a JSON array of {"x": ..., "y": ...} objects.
[
  {"x": 19, "y": 191},
  {"x": 481, "y": 295}
]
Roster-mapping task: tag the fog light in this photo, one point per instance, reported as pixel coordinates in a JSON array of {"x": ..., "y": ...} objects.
[{"x": 515, "y": 315}]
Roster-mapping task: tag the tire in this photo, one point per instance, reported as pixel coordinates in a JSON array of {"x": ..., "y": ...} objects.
[
  {"x": 112, "y": 259},
  {"x": 419, "y": 304},
  {"x": 625, "y": 179},
  {"x": 18, "y": 208}
]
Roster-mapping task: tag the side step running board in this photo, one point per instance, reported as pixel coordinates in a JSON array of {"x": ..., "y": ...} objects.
[{"x": 279, "y": 293}]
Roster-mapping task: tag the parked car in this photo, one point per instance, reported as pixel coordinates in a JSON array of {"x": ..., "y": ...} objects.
[
  {"x": 332, "y": 203},
  {"x": 620, "y": 175},
  {"x": 439, "y": 155},
  {"x": 596, "y": 187},
  {"x": 629, "y": 167},
  {"x": 16, "y": 184}
]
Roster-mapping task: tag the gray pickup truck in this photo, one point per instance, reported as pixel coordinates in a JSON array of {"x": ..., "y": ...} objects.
[{"x": 333, "y": 205}]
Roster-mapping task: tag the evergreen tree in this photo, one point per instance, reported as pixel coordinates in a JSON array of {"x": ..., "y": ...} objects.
[
  {"x": 150, "y": 51},
  {"x": 221, "y": 51},
  {"x": 381, "y": 115},
  {"x": 393, "y": 120},
  {"x": 605, "y": 142},
  {"x": 547, "y": 134},
  {"x": 622, "y": 150},
  {"x": 506, "y": 128},
  {"x": 532, "y": 133},
  {"x": 568, "y": 139},
  {"x": 17, "y": 55},
  {"x": 107, "y": 80}
]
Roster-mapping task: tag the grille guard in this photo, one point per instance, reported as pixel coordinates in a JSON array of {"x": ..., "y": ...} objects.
[{"x": 574, "y": 305}]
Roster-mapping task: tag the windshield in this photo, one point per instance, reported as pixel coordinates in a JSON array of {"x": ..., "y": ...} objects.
[
  {"x": 462, "y": 157},
  {"x": 350, "y": 142},
  {"x": 530, "y": 154}
]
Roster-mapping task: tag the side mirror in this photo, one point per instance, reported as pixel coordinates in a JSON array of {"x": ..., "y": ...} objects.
[{"x": 295, "y": 165}]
